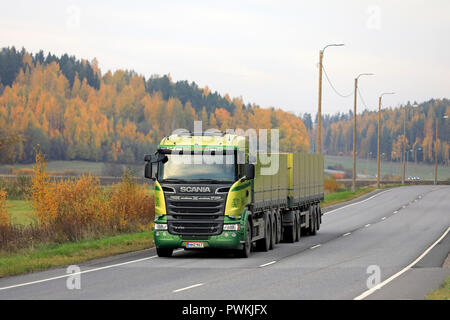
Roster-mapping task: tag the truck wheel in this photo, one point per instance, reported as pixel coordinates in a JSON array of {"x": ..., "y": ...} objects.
[
  {"x": 318, "y": 217},
  {"x": 312, "y": 226},
  {"x": 290, "y": 232},
  {"x": 264, "y": 243},
  {"x": 273, "y": 238},
  {"x": 164, "y": 252},
  {"x": 299, "y": 229},
  {"x": 247, "y": 249},
  {"x": 279, "y": 228}
]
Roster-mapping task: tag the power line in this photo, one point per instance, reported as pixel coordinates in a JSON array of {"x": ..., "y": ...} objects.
[
  {"x": 333, "y": 87},
  {"x": 362, "y": 99}
]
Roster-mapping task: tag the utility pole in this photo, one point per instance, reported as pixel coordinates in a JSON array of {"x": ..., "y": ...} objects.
[
  {"x": 403, "y": 148},
  {"x": 379, "y": 138},
  {"x": 354, "y": 128},
  {"x": 435, "y": 152},
  {"x": 319, "y": 111}
]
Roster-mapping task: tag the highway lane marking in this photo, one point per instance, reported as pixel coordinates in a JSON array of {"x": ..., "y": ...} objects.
[
  {"x": 352, "y": 204},
  {"x": 77, "y": 273},
  {"x": 316, "y": 246},
  {"x": 384, "y": 218},
  {"x": 382, "y": 284},
  {"x": 190, "y": 287},
  {"x": 367, "y": 225},
  {"x": 396, "y": 211},
  {"x": 346, "y": 234},
  {"x": 267, "y": 264}
]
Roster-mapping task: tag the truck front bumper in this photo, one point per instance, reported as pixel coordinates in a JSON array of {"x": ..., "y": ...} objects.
[{"x": 226, "y": 240}]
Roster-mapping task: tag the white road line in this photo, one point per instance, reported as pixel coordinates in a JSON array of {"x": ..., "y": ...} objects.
[
  {"x": 82, "y": 272},
  {"x": 267, "y": 264},
  {"x": 316, "y": 246},
  {"x": 352, "y": 204},
  {"x": 384, "y": 218},
  {"x": 367, "y": 225},
  {"x": 382, "y": 284},
  {"x": 396, "y": 211},
  {"x": 190, "y": 287},
  {"x": 346, "y": 234}
]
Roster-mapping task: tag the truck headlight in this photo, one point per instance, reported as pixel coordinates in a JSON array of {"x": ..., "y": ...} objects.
[
  {"x": 160, "y": 226},
  {"x": 232, "y": 227}
]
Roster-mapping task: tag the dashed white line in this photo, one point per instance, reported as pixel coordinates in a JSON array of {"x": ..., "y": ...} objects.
[
  {"x": 267, "y": 264},
  {"x": 190, "y": 287},
  {"x": 396, "y": 211},
  {"x": 382, "y": 284},
  {"x": 316, "y": 246},
  {"x": 82, "y": 272},
  {"x": 384, "y": 218},
  {"x": 346, "y": 234},
  {"x": 367, "y": 225}
]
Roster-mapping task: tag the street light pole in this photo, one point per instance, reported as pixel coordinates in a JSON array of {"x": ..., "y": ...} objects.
[
  {"x": 354, "y": 128},
  {"x": 319, "y": 112}
]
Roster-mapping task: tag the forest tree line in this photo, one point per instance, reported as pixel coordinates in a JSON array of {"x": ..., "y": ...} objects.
[{"x": 74, "y": 112}]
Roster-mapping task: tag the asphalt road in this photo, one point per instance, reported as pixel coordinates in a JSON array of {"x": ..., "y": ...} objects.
[{"x": 385, "y": 233}]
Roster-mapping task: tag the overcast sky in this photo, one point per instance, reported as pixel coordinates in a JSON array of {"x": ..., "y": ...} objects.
[{"x": 265, "y": 51}]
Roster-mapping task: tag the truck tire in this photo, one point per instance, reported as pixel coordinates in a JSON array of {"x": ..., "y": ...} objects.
[
  {"x": 299, "y": 229},
  {"x": 247, "y": 248},
  {"x": 273, "y": 238},
  {"x": 313, "y": 219},
  {"x": 264, "y": 243},
  {"x": 164, "y": 252},
  {"x": 318, "y": 217},
  {"x": 290, "y": 232},
  {"x": 279, "y": 228}
]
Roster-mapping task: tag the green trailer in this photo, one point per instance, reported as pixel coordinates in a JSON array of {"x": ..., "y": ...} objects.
[{"x": 226, "y": 204}]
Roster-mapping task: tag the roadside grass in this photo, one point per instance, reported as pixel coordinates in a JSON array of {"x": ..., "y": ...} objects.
[
  {"x": 342, "y": 196},
  {"x": 442, "y": 293},
  {"x": 20, "y": 212},
  {"x": 46, "y": 256}
]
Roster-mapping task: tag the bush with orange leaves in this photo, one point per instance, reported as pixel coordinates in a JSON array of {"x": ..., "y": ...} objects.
[
  {"x": 79, "y": 208},
  {"x": 4, "y": 218},
  {"x": 330, "y": 184}
]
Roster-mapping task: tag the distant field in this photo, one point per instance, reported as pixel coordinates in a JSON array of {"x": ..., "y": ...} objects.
[
  {"x": 364, "y": 166},
  {"x": 369, "y": 167},
  {"x": 95, "y": 168}
]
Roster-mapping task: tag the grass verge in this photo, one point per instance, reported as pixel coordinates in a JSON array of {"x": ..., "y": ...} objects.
[
  {"x": 442, "y": 293},
  {"x": 342, "y": 196},
  {"x": 47, "y": 256}
]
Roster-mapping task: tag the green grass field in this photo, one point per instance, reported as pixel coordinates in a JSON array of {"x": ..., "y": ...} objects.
[
  {"x": 369, "y": 167},
  {"x": 442, "y": 293},
  {"x": 78, "y": 166},
  {"x": 20, "y": 212}
]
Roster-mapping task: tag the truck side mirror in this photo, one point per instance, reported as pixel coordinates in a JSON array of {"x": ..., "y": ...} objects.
[
  {"x": 249, "y": 171},
  {"x": 148, "y": 170}
]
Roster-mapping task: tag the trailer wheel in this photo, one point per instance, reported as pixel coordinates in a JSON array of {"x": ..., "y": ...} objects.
[
  {"x": 299, "y": 229},
  {"x": 279, "y": 227},
  {"x": 318, "y": 217},
  {"x": 164, "y": 252},
  {"x": 273, "y": 236},
  {"x": 264, "y": 243},
  {"x": 290, "y": 232},
  {"x": 247, "y": 248},
  {"x": 313, "y": 221}
]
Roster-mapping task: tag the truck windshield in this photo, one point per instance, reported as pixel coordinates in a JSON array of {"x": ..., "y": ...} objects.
[{"x": 192, "y": 168}]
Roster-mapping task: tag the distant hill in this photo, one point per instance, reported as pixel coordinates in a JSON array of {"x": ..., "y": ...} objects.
[{"x": 73, "y": 111}]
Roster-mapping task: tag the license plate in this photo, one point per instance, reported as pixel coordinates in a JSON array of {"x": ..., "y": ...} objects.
[{"x": 195, "y": 244}]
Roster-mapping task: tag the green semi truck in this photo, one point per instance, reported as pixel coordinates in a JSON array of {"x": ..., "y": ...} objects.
[{"x": 228, "y": 202}]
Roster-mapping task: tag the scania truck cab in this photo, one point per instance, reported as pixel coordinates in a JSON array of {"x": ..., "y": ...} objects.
[{"x": 208, "y": 195}]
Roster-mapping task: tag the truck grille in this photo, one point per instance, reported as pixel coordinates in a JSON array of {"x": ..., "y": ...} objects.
[{"x": 195, "y": 217}]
